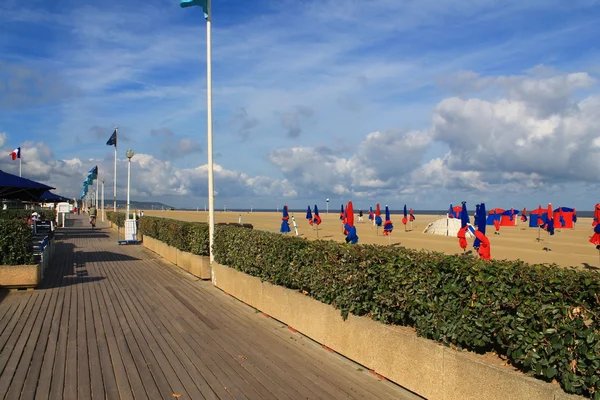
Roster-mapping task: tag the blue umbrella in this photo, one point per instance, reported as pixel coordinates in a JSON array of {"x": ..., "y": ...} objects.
[
  {"x": 450, "y": 213},
  {"x": 480, "y": 219},
  {"x": 342, "y": 214},
  {"x": 308, "y": 214},
  {"x": 464, "y": 215},
  {"x": 285, "y": 227}
]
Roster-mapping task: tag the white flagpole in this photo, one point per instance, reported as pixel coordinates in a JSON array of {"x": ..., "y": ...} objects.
[
  {"x": 102, "y": 199},
  {"x": 97, "y": 192},
  {"x": 211, "y": 190},
  {"x": 20, "y": 161},
  {"x": 115, "y": 177}
]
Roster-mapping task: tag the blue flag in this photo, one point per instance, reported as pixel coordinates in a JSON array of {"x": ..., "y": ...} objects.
[
  {"x": 205, "y": 4},
  {"x": 112, "y": 141}
]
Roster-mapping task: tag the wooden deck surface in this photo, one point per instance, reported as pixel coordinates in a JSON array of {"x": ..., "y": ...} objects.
[{"x": 118, "y": 322}]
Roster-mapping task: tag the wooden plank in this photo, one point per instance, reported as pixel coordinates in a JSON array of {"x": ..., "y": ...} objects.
[
  {"x": 31, "y": 359},
  {"x": 231, "y": 340},
  {"x": 160, "y": 365},
  {"x": 199, "y": 370},
  {"x": 94, "y": 361},
  {"x": 232, "y": 364},
  {"x": 122, "y": 342},
  {"x": 341, "y": 381},
  {"x": 46, "y": 346},
  {"x": 11, "y": 354},
  {"x": 109, "y": 362},
  {"x": 71, "y": 367},
  {"x": 152, "y": 377},
  {"x": 52, "y": 369},
  {"x": 83, "y": 361}
]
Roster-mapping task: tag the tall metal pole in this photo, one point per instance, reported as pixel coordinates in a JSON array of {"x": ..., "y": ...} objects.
[
  {"x": 97, "y": 191},
  {"x": 211, "y": 188},
  {"x": 128, "y": 182},
  {"x": 115, "y": 177},
  {"x": 102, "y": 199}
]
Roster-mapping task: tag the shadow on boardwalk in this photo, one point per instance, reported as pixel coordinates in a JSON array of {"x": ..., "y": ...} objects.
[{"x": 115, "y": 322}]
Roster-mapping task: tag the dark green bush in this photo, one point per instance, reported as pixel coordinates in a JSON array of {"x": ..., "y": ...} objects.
[
  {"x": 24, "y": 214},
  {"x": 544, "y": 319},
  {"x": 117, "y": 218},
  {"x": 191, "y": 237},
  {"x": 16, "y": 246}
]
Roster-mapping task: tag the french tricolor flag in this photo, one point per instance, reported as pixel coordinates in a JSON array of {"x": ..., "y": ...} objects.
[{"x": 16, "y": 153}]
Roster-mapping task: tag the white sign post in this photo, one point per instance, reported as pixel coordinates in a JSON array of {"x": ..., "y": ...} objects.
[{"x": 61, "y": 210}]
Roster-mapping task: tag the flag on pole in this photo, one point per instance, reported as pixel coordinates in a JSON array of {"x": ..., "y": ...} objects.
[
  {"x": 205, "y": 4},
  {"x": 16, "y": 153},
  {"x": 112, "y": 141},
  {"x": 93, "y": 173}
]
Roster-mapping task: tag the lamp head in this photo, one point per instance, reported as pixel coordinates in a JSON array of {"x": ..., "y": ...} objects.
[{"x": 129, "y": 153}]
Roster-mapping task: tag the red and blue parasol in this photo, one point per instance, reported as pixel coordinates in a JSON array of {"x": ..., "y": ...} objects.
[
  {"x": 285, "y": 227},
  {"x": 349, "y": 227},
  {"x": 388, "y": 227}
]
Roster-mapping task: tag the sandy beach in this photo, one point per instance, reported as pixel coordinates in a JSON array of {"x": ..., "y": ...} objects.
[{"x": 569, "y": 247}]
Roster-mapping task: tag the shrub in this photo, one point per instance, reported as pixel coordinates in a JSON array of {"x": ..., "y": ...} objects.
[
  {"x": 117, "y": 218},
  {"x": 191, "y": 237},
  {"x": 544, "y": 319},
  {"x": 16, "y": 246},
  {"x": 23, "y": 214}
]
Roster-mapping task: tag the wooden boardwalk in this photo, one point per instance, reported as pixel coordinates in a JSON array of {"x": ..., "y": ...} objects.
[{"x": 118, "y": 322}]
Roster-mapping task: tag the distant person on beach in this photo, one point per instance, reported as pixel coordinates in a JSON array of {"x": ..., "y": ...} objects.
[{"x": 360, "y": 216}]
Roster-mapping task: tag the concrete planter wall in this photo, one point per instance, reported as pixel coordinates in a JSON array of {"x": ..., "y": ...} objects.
[
  {"x": 26, "y": 276},
  {"x": 196, "y": 265},
  {"x": 420, "y": 365}
]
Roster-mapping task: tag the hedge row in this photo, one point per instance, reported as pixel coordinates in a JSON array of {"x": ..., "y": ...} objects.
[
  {"x": 16, "y": 246},
  {"x": 23, "y": 214},
  {"x": 191, "y": 237},
  {"x": 544, "y": 319},
  {"x": 117, "y": 218}
]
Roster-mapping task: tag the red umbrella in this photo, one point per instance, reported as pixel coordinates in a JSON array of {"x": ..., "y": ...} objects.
[
  {"x": 596, "y": 215},
  {"x": 462, "y": 237},
  {"x": 484, "y": 246},
  {"x": 350, "y": 214},
  {"x": 349, "y": 228}
]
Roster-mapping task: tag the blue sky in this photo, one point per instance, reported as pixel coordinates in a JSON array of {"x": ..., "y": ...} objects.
[{"x": 423, "y": 103}]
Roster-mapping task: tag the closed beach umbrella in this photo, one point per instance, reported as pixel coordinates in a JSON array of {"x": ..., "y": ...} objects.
[
  {"x": 596, "y": 220},
  {"x": 285, "y": 227},
  {"x": 349, "y": 227},
  {"x": 412, "y": 216},
  {"x": 405, "y": 219},
  {"x": 371, "y": 213},
  {"x": 464, "y": 215},
  {"x": 388, "y": 227},
  {"x": 309, "y": 216},
  {"x": 378, "y": 220},
  {"x": 342, "y": 214},
  {"x": 317, "y": 218}
]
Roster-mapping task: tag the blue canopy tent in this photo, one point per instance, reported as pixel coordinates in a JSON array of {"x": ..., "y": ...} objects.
[
  {"x": 50, "y": 197},
  {"x": 13, "y": 187}
]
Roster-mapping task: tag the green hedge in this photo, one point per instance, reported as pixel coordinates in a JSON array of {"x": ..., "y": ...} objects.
[
  {"x": 16, "y": 246},
  {"x": 191, "y": 237},
  {"x": 25, "y": 214},
  {"x": 544, "y": 319},
  {"x": 117, "y": 218}
]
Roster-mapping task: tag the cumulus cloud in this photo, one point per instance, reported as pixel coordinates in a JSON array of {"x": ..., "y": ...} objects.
[{"x": 538, "y": 135}]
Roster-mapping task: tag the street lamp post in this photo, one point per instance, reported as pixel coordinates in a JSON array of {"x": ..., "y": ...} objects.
[
  {"x": 102, "y": 199},
  {"x": 327, "y": 211},
  {"x": 129, "y": 154}
]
